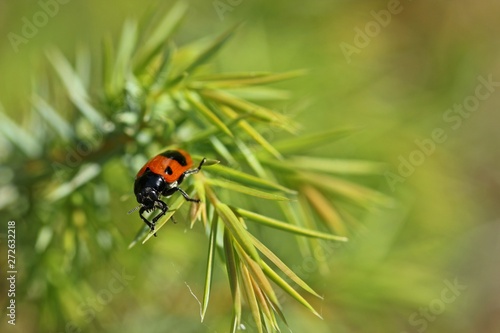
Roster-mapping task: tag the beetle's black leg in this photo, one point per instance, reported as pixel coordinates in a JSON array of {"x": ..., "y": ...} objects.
[
  {"x": 163, "y": 207},
  {"x": 193, "y": 171},
  {"x": 149, "y": 224},
  {"x": 185, "y": 195}
]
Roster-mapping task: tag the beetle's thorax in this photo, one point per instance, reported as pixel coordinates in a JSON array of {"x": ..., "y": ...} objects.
[{"x": 148, "y": 188}]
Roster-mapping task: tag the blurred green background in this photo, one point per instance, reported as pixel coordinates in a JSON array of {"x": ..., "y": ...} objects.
[{"x": 398, "y": 83}]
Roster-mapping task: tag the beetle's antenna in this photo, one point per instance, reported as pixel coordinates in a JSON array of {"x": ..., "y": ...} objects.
[{"x": 134, "y": 209}]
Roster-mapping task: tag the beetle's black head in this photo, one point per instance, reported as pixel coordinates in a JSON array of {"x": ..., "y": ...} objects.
[
  {"x": 148, "y": 188},
  {"x": 147, "y": 197}
]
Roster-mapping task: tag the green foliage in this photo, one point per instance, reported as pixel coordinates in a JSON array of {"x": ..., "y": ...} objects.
[{"x": 147, "y": 94}]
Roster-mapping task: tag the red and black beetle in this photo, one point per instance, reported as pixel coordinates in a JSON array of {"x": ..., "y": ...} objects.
[{"x": 161, "y": 176}]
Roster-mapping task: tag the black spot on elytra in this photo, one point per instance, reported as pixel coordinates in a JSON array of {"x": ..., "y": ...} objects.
[
  {"x": 168, "y": 170},
  {"x": 176, "y": 156}
]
